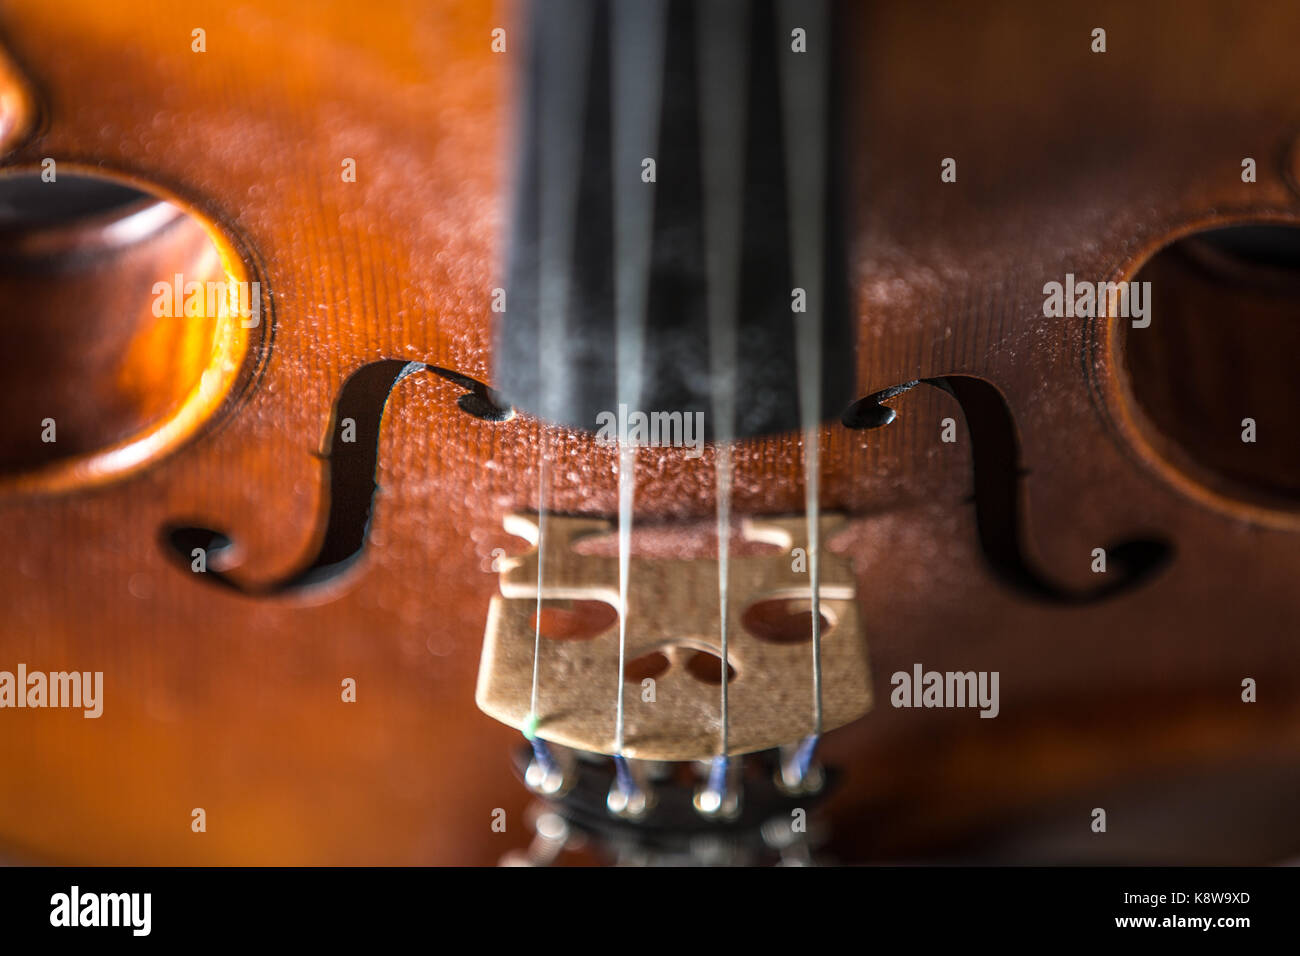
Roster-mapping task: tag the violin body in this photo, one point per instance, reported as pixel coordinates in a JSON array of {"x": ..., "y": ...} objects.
[{"x": 228, "y": 690}]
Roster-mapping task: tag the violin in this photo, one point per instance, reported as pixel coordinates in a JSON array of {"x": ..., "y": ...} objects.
[{"x": 585, "y": 431}]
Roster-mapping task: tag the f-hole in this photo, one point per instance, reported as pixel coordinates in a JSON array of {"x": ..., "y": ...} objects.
[
  {"x": 999, "y": 490},
  {"x": 350, "y": 483}
]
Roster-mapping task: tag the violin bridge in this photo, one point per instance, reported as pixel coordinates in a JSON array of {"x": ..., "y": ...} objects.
[{"x": 673, "y": 611}]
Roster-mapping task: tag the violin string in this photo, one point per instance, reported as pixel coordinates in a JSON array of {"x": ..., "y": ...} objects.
[
  {"x": 812, "y": 507},
  {"x": 566, "y": 30},
  {"x": 722, "y": 480},
  {"x": 803, "y": 88},
  {"x": 723, "y": 32},
  {"x": 533, "y": 711},
  {"x": 626, "y": 492},
  {"x": 637, "y": 36}
]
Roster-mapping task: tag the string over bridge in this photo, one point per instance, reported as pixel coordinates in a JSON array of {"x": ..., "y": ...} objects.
[{"x": 672, "y": 609}]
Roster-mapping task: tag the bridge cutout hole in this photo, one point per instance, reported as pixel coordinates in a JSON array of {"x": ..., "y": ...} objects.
[
  {"x": 783, "y": 621},
  {"x": 563, "y": 620}
]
